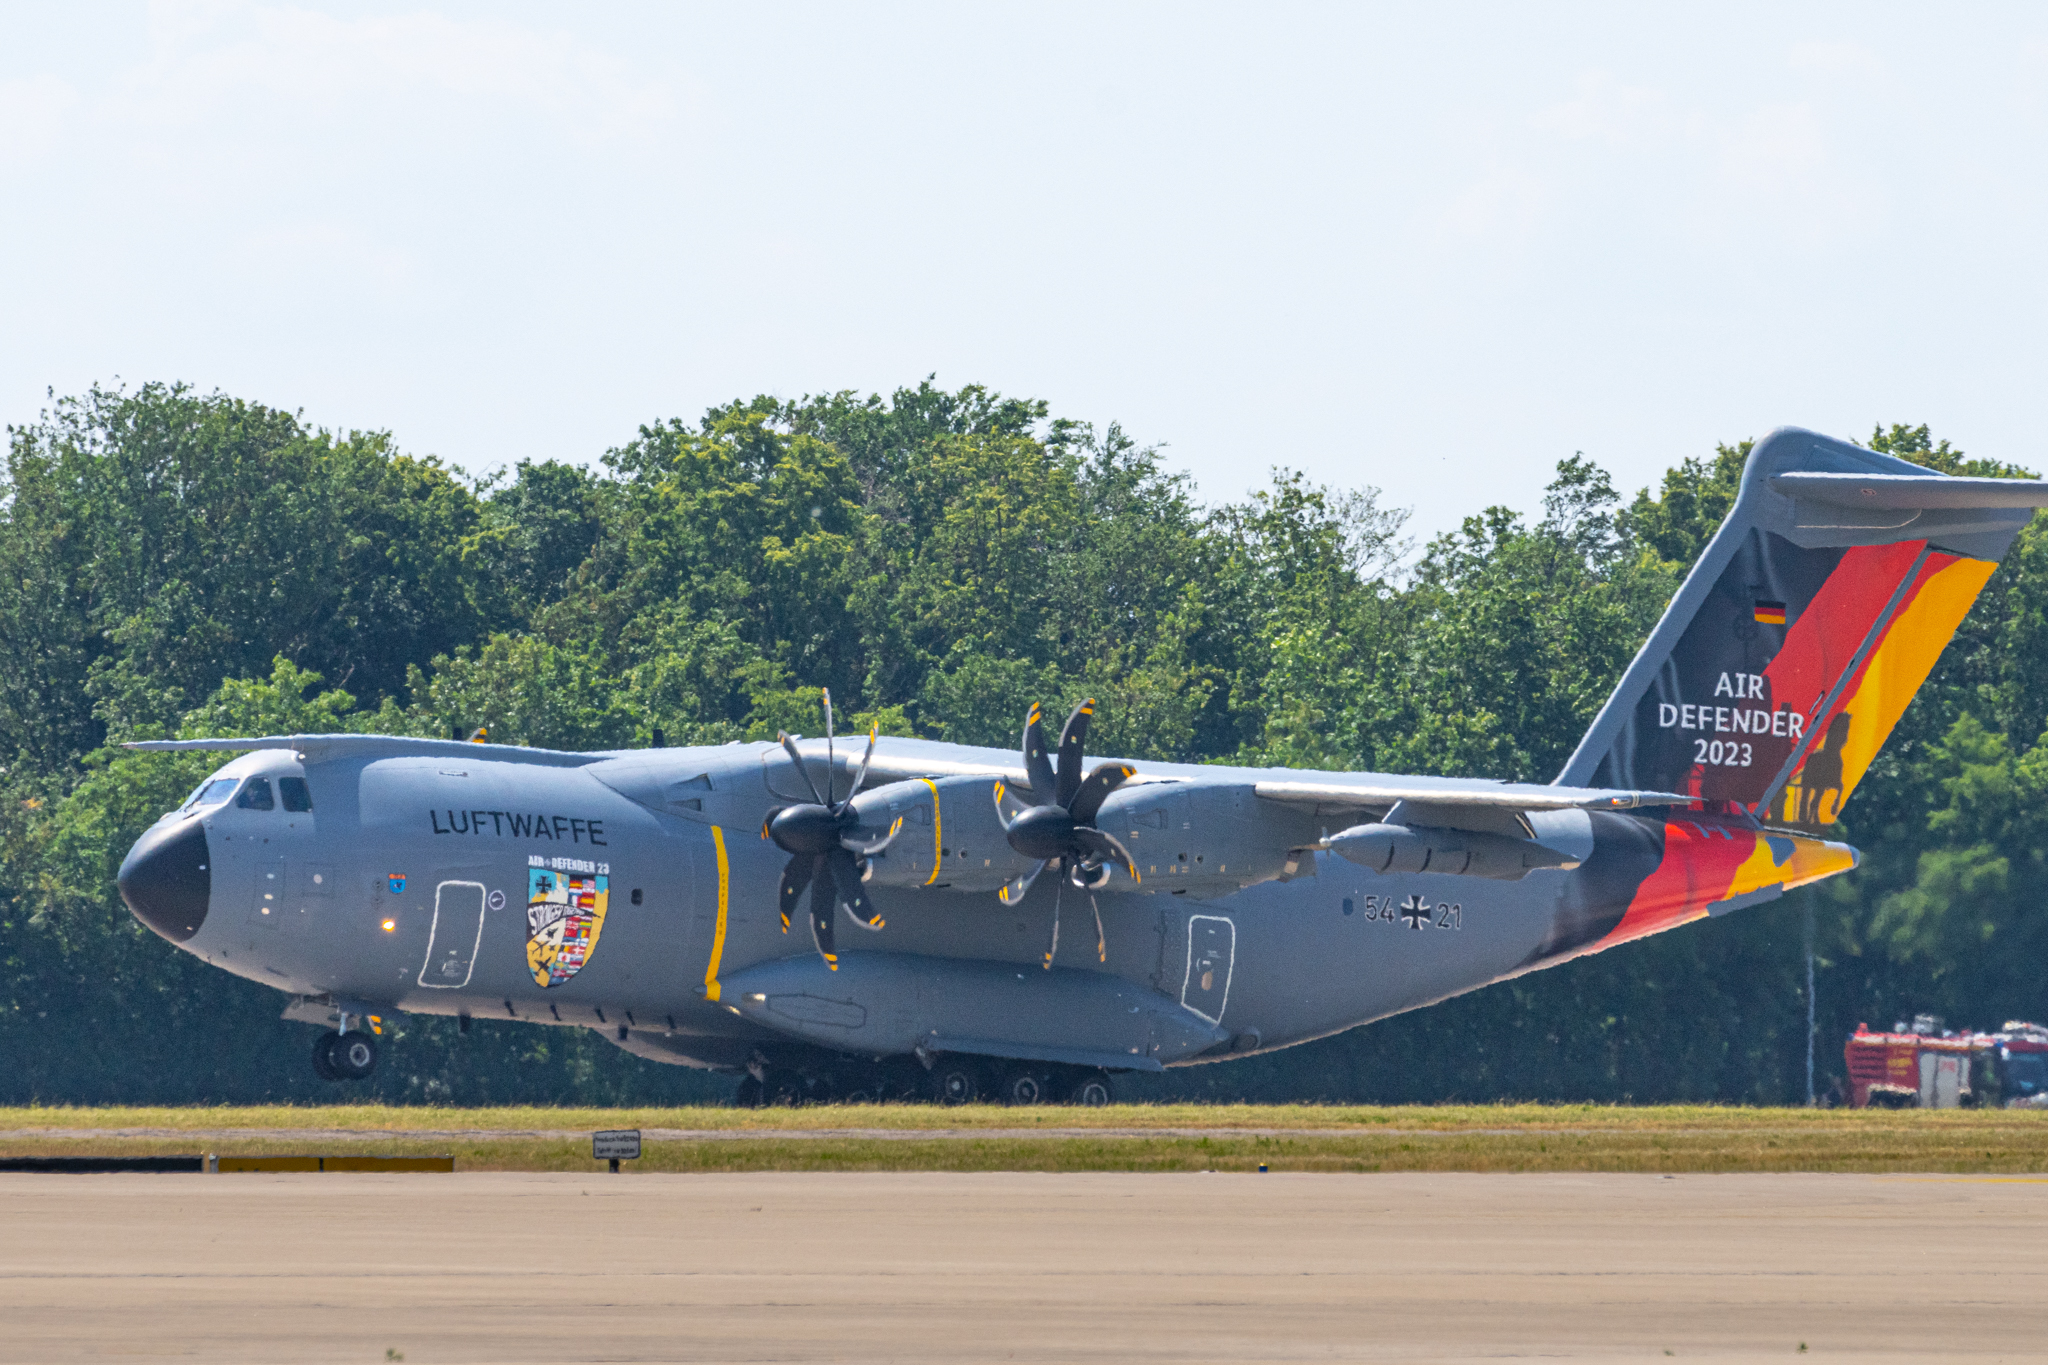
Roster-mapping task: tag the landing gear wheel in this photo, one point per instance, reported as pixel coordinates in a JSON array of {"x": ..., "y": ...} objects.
[
  {"x": 351, "y": 1056},
  {"x": 748, "y": 1096},
  {"x": 1090, "y": 1089},
  {"x": 953, "y": 1081},
  {"x": 323, "y": 1063},
  {"x": 1024, "y": 1085},
  {"x": 783, "y": 1088},
  {"x": 859, "y": 1085},
  {"x": 900, "y": 1078}
]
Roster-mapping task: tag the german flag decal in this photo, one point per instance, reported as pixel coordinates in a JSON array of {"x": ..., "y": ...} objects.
[{"x": 1770, "y": 613}]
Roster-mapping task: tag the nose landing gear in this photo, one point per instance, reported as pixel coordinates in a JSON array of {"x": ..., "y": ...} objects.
[{"x": 344, "y": 1056}]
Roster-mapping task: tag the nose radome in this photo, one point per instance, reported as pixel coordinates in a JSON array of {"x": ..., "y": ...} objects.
[{"x": 166, "y": 880}]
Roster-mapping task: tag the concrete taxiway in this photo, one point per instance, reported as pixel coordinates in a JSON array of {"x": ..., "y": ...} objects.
[{"x": 1031, "y": 1267}]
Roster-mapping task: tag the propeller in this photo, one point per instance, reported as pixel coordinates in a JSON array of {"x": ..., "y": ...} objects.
[
  {"x": 828, "y": 847},
  {"x": 1059, "y": 826}
]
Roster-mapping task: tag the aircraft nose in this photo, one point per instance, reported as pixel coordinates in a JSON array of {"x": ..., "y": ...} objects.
[{"x": 166, "y": 879}]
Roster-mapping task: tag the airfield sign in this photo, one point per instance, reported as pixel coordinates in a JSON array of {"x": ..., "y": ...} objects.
[{"x": 615, "y": 1145}]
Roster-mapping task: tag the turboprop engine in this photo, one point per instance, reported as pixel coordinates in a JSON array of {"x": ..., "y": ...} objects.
[
  {"x": 1205, "y": 839},
  {"x": 952, "y": 833}
]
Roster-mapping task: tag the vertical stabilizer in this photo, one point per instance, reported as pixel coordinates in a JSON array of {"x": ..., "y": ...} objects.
[{"x": 1809, "y": 622}]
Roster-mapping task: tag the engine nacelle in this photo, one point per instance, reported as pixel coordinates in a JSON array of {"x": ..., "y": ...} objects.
[
  {"x": 951, "y": 836},
  {"x": 1451, "y": 852},
  {"x": 1203, "y": 839}
]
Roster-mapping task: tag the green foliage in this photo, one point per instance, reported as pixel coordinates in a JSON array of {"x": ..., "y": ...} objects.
[
  {"x": 1693, "y": 500},
  {"x": 163, "y": 541},
  {"x": 202, "y": 565},
  {"x": 519, "y": 690}
]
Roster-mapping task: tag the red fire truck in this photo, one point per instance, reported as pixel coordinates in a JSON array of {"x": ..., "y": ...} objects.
[{"x": 1926, "y": 1066}]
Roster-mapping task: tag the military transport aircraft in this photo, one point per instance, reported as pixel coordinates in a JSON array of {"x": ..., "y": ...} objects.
[{"x": 885, "y": 918}]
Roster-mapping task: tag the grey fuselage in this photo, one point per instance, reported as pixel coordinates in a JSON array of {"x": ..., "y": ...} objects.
[
  {"x": 641, "y": 892},
  {"x": 411, "y": 885}
]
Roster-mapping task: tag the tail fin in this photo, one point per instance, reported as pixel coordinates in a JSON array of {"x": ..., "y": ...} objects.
[{"x": 1812, "y": 618}]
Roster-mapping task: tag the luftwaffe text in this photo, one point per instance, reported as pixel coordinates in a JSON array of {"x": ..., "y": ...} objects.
[{"x": 519, "y": 825}]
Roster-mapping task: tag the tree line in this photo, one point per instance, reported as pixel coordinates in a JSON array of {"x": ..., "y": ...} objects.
[{"x": 190, "y": 564}]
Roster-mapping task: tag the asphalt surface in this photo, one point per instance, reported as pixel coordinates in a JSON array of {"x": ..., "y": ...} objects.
[{"x": 1030, "y": 1267}]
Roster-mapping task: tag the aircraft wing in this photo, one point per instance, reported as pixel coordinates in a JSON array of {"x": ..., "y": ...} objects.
[
  {"x": 917, "y": 758},
  {"x": 320, "y": 747},
  {"x": 1496, "y": 796}
]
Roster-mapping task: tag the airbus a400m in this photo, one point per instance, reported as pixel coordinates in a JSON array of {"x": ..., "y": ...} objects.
[{"x": 886, "y": 920}]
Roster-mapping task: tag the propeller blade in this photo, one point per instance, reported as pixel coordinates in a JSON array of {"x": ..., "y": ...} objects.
[
  {"x": 796, "y": 875},
  {"x": 1053, "y": 948},
  {"x": 1014, "y": 892},
  {"x": 1072, "y": 740},
  {"x": 1003, "y": 817},
  {"x": 831, "y": 766},
  {"x": 1101, "y": 943},
  {"x": 1037, "y": 767},
  {"x": 851, "y": 894},
  {"x": 867, "y": 841},
  {"x": 1105, "y": 779},
  {"x": 789, "y": 745},
  {"x": 1104, "y": 848},
  {"x": 821, "y": 919},
  {"x": 862, "y": 775}
]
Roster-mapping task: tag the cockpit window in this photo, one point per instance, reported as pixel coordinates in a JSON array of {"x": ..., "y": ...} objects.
[
  {"x": 256, "y": 795},
  {"x": 295, "y": 793},
  {"x": 211, "y": 793}
]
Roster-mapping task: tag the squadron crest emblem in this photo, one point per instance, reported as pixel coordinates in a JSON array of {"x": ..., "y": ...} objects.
[{"x": 564, "y": 915}]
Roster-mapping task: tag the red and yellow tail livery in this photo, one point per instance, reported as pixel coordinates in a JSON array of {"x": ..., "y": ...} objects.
[{"x": 1810, "y": 621}]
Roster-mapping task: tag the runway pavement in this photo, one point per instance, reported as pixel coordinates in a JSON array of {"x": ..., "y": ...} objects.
[{"x": 1028, "y": 1267}]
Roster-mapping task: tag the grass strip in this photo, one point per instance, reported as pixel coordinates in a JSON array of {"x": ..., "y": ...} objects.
[
  {"x": 1661, "y": 1140},
  {"x": 923, "y": 1117}
]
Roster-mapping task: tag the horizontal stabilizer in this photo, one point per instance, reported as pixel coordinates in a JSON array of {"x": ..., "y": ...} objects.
[{"x": 1910, "y": 492}]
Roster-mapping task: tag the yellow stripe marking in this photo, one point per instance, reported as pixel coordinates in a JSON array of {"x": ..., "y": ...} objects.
[
  {"x": 935, "y": 829},
  {"x": 1901, "y": 663},
  {"x": 718, "y": 933}
]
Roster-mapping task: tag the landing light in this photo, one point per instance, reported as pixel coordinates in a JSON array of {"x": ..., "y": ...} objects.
[{"x": 390, "y": 925}]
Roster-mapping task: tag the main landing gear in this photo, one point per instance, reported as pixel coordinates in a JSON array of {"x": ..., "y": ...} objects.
[
  {"x": 344, "y": 1056},
  {"x": 951, "y": 1079}
]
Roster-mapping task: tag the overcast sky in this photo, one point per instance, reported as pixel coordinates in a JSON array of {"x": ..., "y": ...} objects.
[{"x": 1429, "y": 248}]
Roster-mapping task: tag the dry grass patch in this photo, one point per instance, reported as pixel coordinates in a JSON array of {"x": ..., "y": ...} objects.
[{"x": 1664, "y": 1139}]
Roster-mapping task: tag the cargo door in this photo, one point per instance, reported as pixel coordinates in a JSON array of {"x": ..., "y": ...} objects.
[
  {"x": 457, "y": 930},
  {"x": 1212, "y": 951}
]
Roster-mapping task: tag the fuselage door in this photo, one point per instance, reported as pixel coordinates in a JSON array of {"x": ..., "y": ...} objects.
[
  {"x": 452, "y": 942},
  {"x": 1212, "y": 950},
  {"x": 267, "y": 897}
]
